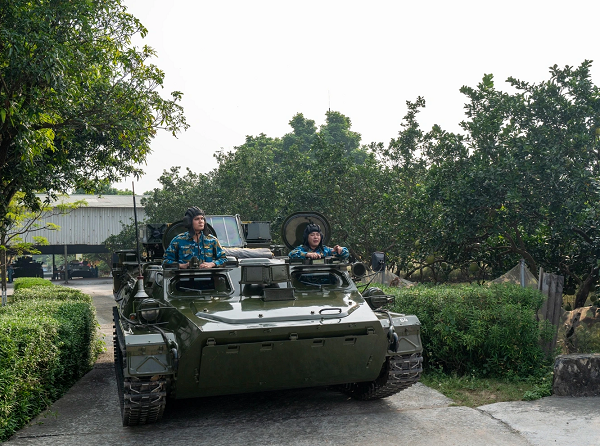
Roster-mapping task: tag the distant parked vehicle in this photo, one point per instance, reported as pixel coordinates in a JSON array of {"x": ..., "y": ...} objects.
[
  {"x": 80, "y": 269},
  {"x": 27, "y": 267}
]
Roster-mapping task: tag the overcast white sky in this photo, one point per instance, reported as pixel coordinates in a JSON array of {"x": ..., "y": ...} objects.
[{"x": 247, "y": 67}]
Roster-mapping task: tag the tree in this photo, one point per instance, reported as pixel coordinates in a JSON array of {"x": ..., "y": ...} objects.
[
  {"x": 78, "y": 103},
  {"x": 522, "y": 182},
  {"x": 336, "y": 131},
  {"x": 303, "y": 135},
  {"x": 169, "y": 202},
  {"x": 126, "y": 239},
  {"x": 104, "y": 189},
  {"x": 20, "y": 220},
  {"x": 246, "y": 181}
]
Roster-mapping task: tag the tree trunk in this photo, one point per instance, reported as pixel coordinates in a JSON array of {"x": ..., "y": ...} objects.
[
  {"x": 584, "y": 289},
  {"x": 3, "y": 274}
]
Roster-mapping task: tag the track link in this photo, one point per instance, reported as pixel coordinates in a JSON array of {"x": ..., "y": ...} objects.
[
  {"x": 398, "y": 373},
  {"x": 141, "y": 401}
]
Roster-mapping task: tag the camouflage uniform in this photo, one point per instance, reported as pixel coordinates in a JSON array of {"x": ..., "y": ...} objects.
[
  {"x": 325, "y": 251},
  {"x": 183, "y": 247}
]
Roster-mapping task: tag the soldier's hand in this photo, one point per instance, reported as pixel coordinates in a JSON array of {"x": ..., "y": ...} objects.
[{"x": 206, "y": 265}]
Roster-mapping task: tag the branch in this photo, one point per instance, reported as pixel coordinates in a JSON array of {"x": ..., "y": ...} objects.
[{"x": 583, "y": 235}]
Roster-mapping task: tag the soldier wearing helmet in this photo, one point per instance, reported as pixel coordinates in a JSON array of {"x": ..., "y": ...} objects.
[
  {"x": 197, "y": 242},
  {"x": 312, "y": 246}
]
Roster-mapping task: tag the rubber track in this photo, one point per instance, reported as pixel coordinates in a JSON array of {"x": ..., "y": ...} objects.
[
  {"x": 144, "y": 401},
  {"x": 398, "y": 373},
  {"x": 141, "y": 401}
]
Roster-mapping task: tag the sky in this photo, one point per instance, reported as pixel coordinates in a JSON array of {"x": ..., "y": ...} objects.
[{"x": 247, "y": 67}]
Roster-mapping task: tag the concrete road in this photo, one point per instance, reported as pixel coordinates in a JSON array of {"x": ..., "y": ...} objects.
[{"x": 89, "y": 414}]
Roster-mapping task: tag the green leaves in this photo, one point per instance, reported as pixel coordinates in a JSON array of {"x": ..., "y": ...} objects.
[
  {"x": 78, "y": 103},
  {"x": 48, "y": 341},
  {"x": 480, "y": 331}
]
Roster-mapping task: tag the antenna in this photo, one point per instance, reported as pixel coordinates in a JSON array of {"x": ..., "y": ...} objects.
[
  {"x": 140, "y": 292},
  {"x": 137, "y": 238}
]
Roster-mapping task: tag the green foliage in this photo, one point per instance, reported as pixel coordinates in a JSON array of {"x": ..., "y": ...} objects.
[
  {"x": 479, "y": 331},
  {"x": 104, "y": 188},
  {"x": 585, "y": 339},
  {"x": 27, "y": 355},
  {"x": 22, "y": 219},
  {"x": 520, "y": 180},
  {"x": 123, "y": 240},
  {"x": 471, "y": 391},
  {"x": 269, "y": 178},
  {"x": 52, "y": 292},
  {"x": 48, "y": 340},
  {"x": 542, "y": 387},
  {"x": 79, "y": 104},
  {"x": 177, "y": 192},
  {"x": 29, "y": 282}
]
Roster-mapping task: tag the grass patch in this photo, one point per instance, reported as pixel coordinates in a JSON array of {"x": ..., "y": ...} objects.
[{"x": 472, "y": 391}]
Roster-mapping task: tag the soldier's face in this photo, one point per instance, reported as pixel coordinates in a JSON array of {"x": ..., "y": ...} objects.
[
  {"x": 198, "y": 223},
  {"x": 313, "y": 239}
]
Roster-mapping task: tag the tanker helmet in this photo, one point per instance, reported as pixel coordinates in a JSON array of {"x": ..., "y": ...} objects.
[
  {"x": 310, "y": 228},
  {"x": 189, "y": 216}
]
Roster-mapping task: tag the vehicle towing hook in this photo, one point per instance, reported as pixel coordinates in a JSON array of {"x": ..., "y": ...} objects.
[
  {"x": 392, "y": 339},
  {"x": 175, "y": 358}
]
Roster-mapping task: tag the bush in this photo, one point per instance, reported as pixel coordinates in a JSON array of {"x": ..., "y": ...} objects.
[
  {"x": 56, "y": 292},
  {"x": 48, "y": 340},
  {"x": 479, "y": 331},
  {"x": 28, "y": 282}
]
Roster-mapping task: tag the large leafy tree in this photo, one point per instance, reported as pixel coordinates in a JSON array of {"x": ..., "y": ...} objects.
[
  {"x": 303, "y": 134},
  {"x": 168, "y": 203},
  {"x": 79, "y": 104},
  {"x": 523, "y": 180}
]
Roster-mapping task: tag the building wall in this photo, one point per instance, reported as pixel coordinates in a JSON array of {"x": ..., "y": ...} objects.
[
  {"x": 86, "y": 226},
  {"x": 91, "y": 224}
]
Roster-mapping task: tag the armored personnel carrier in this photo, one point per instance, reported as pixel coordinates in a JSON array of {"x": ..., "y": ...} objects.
[
  {"x": 79, "y": 269},
  {"x": 27, "y": 267},
  {"x": 258, "y": 323}
]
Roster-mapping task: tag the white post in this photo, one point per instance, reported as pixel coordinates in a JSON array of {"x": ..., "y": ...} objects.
[
  {"x": 522, "y": 273},
  {"x": 66, "y": 266}
]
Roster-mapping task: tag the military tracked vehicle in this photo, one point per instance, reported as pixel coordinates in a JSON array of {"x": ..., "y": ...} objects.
[
  {"x": 27, "y": 267},
  {"x": 80, "y": 269},
  {"x": 258, "y": 323}
]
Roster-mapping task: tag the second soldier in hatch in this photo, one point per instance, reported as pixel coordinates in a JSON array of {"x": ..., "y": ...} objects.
[
  {"x": 312, "y": 246},
  {"x": 197, "y": 242}
]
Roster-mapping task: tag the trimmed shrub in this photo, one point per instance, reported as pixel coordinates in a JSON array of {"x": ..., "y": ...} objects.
[
  {"x": 27, "y": 356},
  {"x": 480, "y": 331},
  {"x": 28, "y": 282},
  {"x": 56, "y": 292},
  {"x": 48, "y": 340}
]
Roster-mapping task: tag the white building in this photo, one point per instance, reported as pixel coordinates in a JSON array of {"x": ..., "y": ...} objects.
[{"x": 84, "y": 229}]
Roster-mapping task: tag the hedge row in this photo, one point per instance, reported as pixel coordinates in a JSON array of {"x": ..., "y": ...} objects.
[
  {"x": 48, "y": 340},
  {"x": 29, "y": 282},
  {"x": 480, "y": 331}
]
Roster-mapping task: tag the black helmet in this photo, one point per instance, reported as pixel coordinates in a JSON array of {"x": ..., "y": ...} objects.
[
  {"x": 310, "y": 228},
  {"x": 189, "y": 216}
]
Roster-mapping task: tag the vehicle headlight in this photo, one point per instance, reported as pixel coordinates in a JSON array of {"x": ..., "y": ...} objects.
[{"x": 149, "y": 310}]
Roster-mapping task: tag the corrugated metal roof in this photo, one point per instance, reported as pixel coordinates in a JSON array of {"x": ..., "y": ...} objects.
[
  {"x": 91, "y": 224},
  {"x": 103, "y": 201}
]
